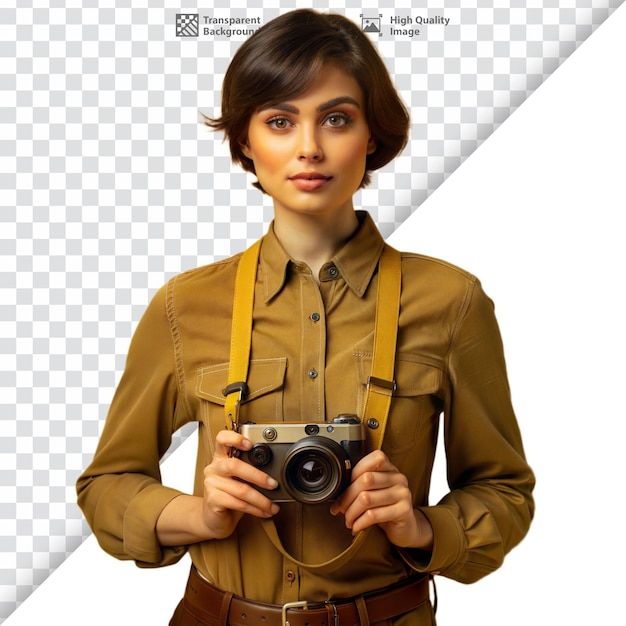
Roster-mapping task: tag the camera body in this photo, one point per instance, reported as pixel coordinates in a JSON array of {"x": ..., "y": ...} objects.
[{"x": 312, "y": 463}]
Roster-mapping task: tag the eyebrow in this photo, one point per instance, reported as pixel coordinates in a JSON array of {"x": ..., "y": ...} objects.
[{"x": 325, "y": 106}]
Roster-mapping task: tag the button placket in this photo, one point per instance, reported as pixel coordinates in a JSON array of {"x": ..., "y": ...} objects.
[{"x": 313, "y": 350}]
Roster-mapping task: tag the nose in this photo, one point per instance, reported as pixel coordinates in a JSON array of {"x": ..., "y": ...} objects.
[{"x": 309, "y": 146}]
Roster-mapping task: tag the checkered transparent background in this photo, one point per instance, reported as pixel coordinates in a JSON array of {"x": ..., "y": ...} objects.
[{"x": 109, "y": 186}]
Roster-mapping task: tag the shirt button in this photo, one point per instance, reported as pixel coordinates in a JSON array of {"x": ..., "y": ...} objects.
[
  {"x": 315, "y": 317},
  {"x": 312, "y": 373},
  {"x": 333, "y": 272}
]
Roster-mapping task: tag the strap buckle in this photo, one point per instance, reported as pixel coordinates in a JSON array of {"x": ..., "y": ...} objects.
[
  {"x": 388, "y": 385},
  {"x": 292, "y": 605},
  {"x": 241, "y": 387},
  {"x": 244, "y": 391}
]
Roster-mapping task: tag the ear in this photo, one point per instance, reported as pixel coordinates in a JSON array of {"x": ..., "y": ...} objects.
[
  {"x": 245, "y": 149},
  {"x": 372, "y": 144}
]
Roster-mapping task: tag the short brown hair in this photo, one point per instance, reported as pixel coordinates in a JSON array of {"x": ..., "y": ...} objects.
[{"x": 283, "y": 58}]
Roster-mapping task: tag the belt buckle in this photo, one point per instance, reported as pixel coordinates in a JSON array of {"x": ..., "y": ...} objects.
[
  {"x": 292, "y": 605},
  {"x": 335, "y": 613}
]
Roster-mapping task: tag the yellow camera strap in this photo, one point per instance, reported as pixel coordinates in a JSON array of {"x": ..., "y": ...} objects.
[
  {"x": 241, "y": 334},
  {"x": 380, "y": 384}
]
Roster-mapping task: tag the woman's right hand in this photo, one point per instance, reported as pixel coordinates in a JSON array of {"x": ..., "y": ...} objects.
[
  {"x": 228, "y": 494},
  {"x": 228, "y": 491}
]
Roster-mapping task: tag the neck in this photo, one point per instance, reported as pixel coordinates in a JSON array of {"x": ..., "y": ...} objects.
[{"x": 312, "y": 240}]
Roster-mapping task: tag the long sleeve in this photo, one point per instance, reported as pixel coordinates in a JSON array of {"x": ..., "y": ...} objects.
[
  {"x": 121, "y": 493},
  {"x": 490, "y": 506}
]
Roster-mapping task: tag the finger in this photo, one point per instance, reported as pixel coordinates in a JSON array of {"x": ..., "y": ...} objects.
[
  {"x": 227, "y": 494},
  {"x": 227, "y": 440},
  {"x": 230, "y": 467},
  {"x": 247, "y": 508},
  {"x": 393, "y": 514},
  {"x": 369, "y": 502},
  {"x": 376, "y": 461},
  {"x": 366, "y": 482}
]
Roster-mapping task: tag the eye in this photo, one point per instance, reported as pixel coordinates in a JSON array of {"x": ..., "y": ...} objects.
[
  {"x": 278, "y": 123},
  {"x": 338, "y": 120}
]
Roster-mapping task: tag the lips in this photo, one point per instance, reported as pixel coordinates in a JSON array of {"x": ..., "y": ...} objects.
[{"x": 309, "y": 181}]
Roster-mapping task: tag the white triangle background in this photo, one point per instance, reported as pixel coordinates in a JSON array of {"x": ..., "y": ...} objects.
[{"x": 537, "y": 213}]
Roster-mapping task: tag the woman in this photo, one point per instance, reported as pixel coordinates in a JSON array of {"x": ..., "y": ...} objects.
[{"x": 309, "y": 108}]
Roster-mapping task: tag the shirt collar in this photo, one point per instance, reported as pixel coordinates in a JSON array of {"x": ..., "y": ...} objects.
[{"x": 356, "y": 260}]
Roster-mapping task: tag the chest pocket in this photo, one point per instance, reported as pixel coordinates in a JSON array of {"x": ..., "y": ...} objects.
[
  {"x": 415, "y": 400},
  {"x": 266, "y": 380}
]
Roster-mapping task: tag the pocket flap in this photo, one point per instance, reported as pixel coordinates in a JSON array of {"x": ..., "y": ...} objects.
[{"x": 264, "y": 376}]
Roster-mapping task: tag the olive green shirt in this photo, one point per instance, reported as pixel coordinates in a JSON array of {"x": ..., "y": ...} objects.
[{"x": 310, "y": 359}]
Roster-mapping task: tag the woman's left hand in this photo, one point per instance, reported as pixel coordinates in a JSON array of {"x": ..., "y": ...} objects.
[{"x": 379, "y": 494}]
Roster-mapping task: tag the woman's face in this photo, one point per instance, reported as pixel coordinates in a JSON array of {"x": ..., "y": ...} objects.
[{"x": 309, "y": 152}]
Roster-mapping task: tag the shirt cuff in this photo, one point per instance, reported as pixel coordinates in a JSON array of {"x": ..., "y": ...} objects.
[
  {"x": 140, "y": 537},
  {"x": 448, "y": 544}
]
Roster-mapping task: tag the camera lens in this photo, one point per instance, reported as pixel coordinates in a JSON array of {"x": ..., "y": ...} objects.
[
  {"x": 315, "y": 470},
  {"x": 311, "y": 473}
]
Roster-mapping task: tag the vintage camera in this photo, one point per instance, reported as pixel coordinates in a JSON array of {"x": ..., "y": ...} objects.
[{"x": 311, "y": 462}]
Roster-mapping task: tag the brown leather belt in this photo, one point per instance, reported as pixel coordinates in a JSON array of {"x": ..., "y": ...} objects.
[{"x": 215, "y": 607}]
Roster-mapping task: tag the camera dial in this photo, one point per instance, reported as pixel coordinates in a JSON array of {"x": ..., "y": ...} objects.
[{"x": 260, "y": 455}]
